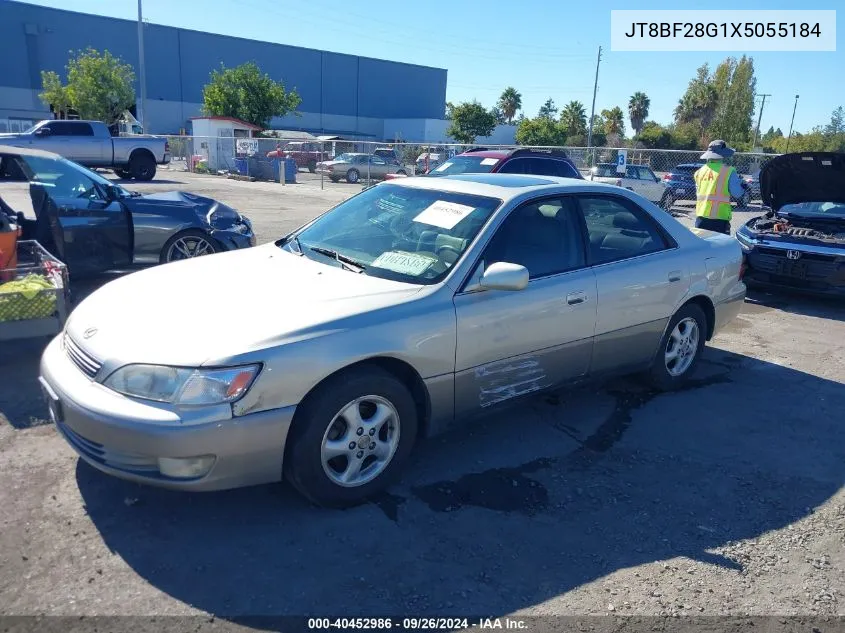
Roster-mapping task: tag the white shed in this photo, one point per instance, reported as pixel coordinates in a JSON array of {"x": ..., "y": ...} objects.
[{"x": 214, "y": 138}]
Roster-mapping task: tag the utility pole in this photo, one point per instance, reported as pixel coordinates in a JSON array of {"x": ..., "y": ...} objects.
[
  {"x": 593, "y": 108},
  {"x": 142, "y": 70},
  {"x": 759, "y": 119},
  {"x": 788, "y": 138}
]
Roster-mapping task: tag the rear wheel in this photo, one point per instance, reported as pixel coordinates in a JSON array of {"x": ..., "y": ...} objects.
[
  {"x": 680, "y": 349},
  {"x": 123, "y": 173},
  {"x": 312, "y": 166},
  {"x": 142, "y": 166},
  {"x": 187, "y": 245},
  {"x": 351, "y": 437}
]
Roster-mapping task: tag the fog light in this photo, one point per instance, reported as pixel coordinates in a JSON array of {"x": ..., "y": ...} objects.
[{"x": 185, "y": 467}]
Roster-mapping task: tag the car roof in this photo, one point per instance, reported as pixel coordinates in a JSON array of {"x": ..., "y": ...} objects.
[
  {"x": 502, "y": 186},
  {"x": 684, "y": 165},
  {"x": 25, "y": 151},
  {"x": 488, "y": 153}
]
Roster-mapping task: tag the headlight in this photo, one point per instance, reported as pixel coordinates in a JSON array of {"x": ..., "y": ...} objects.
[
  {"x": 221, "y": 214},
  {"x": 179, "y": 385}
]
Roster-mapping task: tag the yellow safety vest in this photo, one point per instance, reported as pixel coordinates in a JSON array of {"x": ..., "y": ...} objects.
[{"x": 713, "y": 197}]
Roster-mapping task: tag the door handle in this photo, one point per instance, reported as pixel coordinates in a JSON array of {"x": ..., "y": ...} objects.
[
  {"x": 675, "y": 275},
  {"x": 575, "y": 298}
]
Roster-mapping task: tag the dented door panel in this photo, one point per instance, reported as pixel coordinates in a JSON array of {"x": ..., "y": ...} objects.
[{"x": 513, "y": 343}]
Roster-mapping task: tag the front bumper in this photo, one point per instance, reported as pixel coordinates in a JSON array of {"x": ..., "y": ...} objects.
[
  {"x": 126, "y": 437},
  {"x": 240, "y": 236},
  {"x": 818, "y": 271}
]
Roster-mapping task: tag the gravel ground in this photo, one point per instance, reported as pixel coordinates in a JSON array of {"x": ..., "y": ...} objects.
[{"x": 724, "y": 498}]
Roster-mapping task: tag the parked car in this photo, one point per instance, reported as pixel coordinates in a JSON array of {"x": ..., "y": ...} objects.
[
  {"x": 800, "y": 242},
  {"x": 354, "y": 166},
  {"x": 516, "y": 161},
  {"x": 306, "y": 154},
  {"x": 638, "y": 178},
  {"x": 404, "y": 310},
  {"x": 680, "y": 185},
  {"x": 94, "y": 225},
  {"x": 91, "y": 144}
]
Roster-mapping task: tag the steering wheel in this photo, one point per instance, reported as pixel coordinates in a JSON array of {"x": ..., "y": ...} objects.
[{"x": 447, "y": 254}]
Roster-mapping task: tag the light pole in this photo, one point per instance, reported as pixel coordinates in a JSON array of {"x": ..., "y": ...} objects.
[
  {"x": 142, "y": 70},
  {"x": 788, "y": 138},
  {"x": 759, "y": 119}
]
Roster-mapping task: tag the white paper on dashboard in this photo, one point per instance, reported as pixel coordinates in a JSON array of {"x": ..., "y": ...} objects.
[
  {"x": 402, "y": 262},
  {"x": 489, "y": 161},
  {"x": 444, "y": 214}
]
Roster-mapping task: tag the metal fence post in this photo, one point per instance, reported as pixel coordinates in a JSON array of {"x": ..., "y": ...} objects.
[{"x": 322, "y": 160}]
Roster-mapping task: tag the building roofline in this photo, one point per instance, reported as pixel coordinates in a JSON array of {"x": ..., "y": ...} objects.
[
  {"x": 227, "y": 118},
  {"x": 233, "y": 37}
]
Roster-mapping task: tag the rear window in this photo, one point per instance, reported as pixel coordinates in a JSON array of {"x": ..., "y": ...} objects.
[
  {"x": 606, "y": 171},
  {"x": 465, "y": 165},
  {"x": 686, "y": 169}
]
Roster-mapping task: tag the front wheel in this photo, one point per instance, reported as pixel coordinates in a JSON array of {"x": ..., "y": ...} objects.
[
  {"x": 401, "y": 172},
  {"x": 352, "y": 176},
  {"x": 351, "y": 437},
  {"x": 123, "y": 173},
  {"x": 680, "y": 349},
  {"x": 312, "y": 167},
  {"x": 667, "y": 202},
  {"x": 187, "y": 245}
]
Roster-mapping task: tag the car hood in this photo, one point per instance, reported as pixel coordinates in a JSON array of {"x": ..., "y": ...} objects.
[
  {"x": 803, "y": 177},
  {"x": 210, "y": 309}
]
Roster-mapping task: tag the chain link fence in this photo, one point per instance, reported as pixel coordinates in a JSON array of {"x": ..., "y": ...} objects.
[{"x": 340, "y": 162}]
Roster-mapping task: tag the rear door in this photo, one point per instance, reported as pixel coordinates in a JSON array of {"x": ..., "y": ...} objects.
[
  {"x": 91, "y": 232},
  {"x": 648, "y": 185}
]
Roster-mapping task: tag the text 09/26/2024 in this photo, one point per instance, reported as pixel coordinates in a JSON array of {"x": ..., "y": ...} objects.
[{"x": 727, "y": 31}]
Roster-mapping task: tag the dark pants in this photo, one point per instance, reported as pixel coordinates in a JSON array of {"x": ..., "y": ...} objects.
[{"x": 709, "y": 224}]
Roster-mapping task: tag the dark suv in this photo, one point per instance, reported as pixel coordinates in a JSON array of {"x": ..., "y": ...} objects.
[
  {"x": 537, "y": 162},
  {"x": 680, "y": 184}
]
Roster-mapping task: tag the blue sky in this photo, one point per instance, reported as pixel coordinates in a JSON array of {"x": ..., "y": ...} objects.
[{"x": 541, "y": 47}]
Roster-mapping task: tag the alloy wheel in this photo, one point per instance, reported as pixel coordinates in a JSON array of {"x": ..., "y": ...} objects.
[
  {"x": 189, "y": 247},
  {"x": 682, "y": 347}
]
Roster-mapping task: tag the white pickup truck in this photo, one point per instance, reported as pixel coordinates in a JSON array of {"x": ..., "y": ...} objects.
[{"x": 91, "y": 144}]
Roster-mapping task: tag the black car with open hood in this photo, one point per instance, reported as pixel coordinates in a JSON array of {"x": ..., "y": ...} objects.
[{"x": 799, "y": 242}]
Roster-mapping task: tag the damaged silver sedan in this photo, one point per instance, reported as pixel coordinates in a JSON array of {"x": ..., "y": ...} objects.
[{"x": 410, "y": 307}]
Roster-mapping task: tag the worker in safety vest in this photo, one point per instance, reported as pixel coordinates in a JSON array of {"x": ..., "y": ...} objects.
[{"x": 715, "y": 183}]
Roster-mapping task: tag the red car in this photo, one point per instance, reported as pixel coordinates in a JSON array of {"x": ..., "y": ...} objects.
[{"x": 538, "y": 162}]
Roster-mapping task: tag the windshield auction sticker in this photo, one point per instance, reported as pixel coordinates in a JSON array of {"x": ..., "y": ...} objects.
[
  {"x": 739, "y": 31},
  {"x": 403, "y": 262},
  {"x": 444, "y": 215}
]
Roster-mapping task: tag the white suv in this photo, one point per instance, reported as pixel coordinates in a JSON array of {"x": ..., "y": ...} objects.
[{"x": 637, "y": 178}]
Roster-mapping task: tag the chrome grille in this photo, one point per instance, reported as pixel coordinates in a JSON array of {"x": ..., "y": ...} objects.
[{"x": 86, "y": 363}]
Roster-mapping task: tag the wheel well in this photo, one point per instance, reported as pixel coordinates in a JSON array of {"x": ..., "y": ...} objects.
[
  {"x": 405, "y": 373},
  {"x": 141, "y": 151},
  {"x": 706, "y": 306}
]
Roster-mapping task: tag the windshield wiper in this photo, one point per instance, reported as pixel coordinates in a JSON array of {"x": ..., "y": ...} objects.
[{"x": 347, "y": 262}]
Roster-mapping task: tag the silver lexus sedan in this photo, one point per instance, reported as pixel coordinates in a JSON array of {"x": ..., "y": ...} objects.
[{"x": 408, "y": 308}]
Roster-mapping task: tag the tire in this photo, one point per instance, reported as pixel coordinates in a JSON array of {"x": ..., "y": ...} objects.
[
  {"x": 335, "y": 179},
  {"x": 352, "y": 176},
  {"x": 319, "y": 420},
  {"x": 401, "y": 172},
  {"x": 170, "y": 250},
  {"x": 142, "y": 166},
  {"x": 312, "y": 167},
  {"x": 690, "y": 318},
  {"x": 123, "y": 173},
  {"x": 667, "y": 202}
]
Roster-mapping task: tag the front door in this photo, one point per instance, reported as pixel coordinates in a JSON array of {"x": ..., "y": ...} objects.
[
  {"x": 91, "y": 232},
  {"x": 511, "y": 343},
  {"x": 641, "y": 277}
]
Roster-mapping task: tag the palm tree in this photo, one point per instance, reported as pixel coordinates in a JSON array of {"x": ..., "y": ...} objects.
[
  {"x": 510, "y": 103},
  {"x": 614, "y": 121},
  {"x": 638, "y": 110},
  {"x": 573, "y": 118}
]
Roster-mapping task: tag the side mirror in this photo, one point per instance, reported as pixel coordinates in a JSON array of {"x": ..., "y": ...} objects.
[
  {"x": 504, "y": 276},
  {"x": 112, "y": 193}
]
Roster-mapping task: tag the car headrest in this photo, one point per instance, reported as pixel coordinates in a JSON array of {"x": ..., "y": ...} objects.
[{"x": 626, "y": 220}]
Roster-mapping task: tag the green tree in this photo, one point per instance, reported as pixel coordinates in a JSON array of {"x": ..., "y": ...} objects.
[
  {"x": 837, "y": 122},
  {"x": 449, "y": 107},
  {"x": 614, "y": 121},
  {"x": 99, "y": 86},
  {"x": 654, "y": 136},
  {"x": 573, "y": 118},
  {"x": 501, "y": 119},
  {"x": 510, "y": 103},
  {"x": 540, "y": 131},
  {"x": 770, "y": 135},
  {"x": 698, "y": 104},
  {"x": 548, "y": 110},
  {"x": 735, "y": 87},
  {"x": 638, "y": 106},
  {"x": 54, "y": 94},
  {"x": 599, "y": 135},
  {"x": 470, "y": 120},
  {"x": 245, "y": 93},
  {"x": 686, "y": 135}
]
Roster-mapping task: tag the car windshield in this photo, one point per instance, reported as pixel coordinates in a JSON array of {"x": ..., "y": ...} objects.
[
  {"x": 66, "y": 177},
  {"x": 606, "y": 171},
  {"x": 346, "y": 158},
  {"x": 465, "y": 165},
  {"x": 831, "y": 210},
  {"x": 396, "y": 232}
]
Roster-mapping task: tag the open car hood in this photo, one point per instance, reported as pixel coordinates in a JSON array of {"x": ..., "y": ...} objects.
[{"x": 803, "y": 177}]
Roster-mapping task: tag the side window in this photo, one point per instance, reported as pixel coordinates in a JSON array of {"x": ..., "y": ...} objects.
[
  {"x": 565, "y": 170},
  {"x": 81, "y": 129},
  {"x": 632, "y": 172},
  {"x": 61, "y": 128},
  {"x": 541, "y": 166},
  {"x": 646, "y": 174},
  {"x": 544, "y": 236},
  {"x": 618, "y": 229}
]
